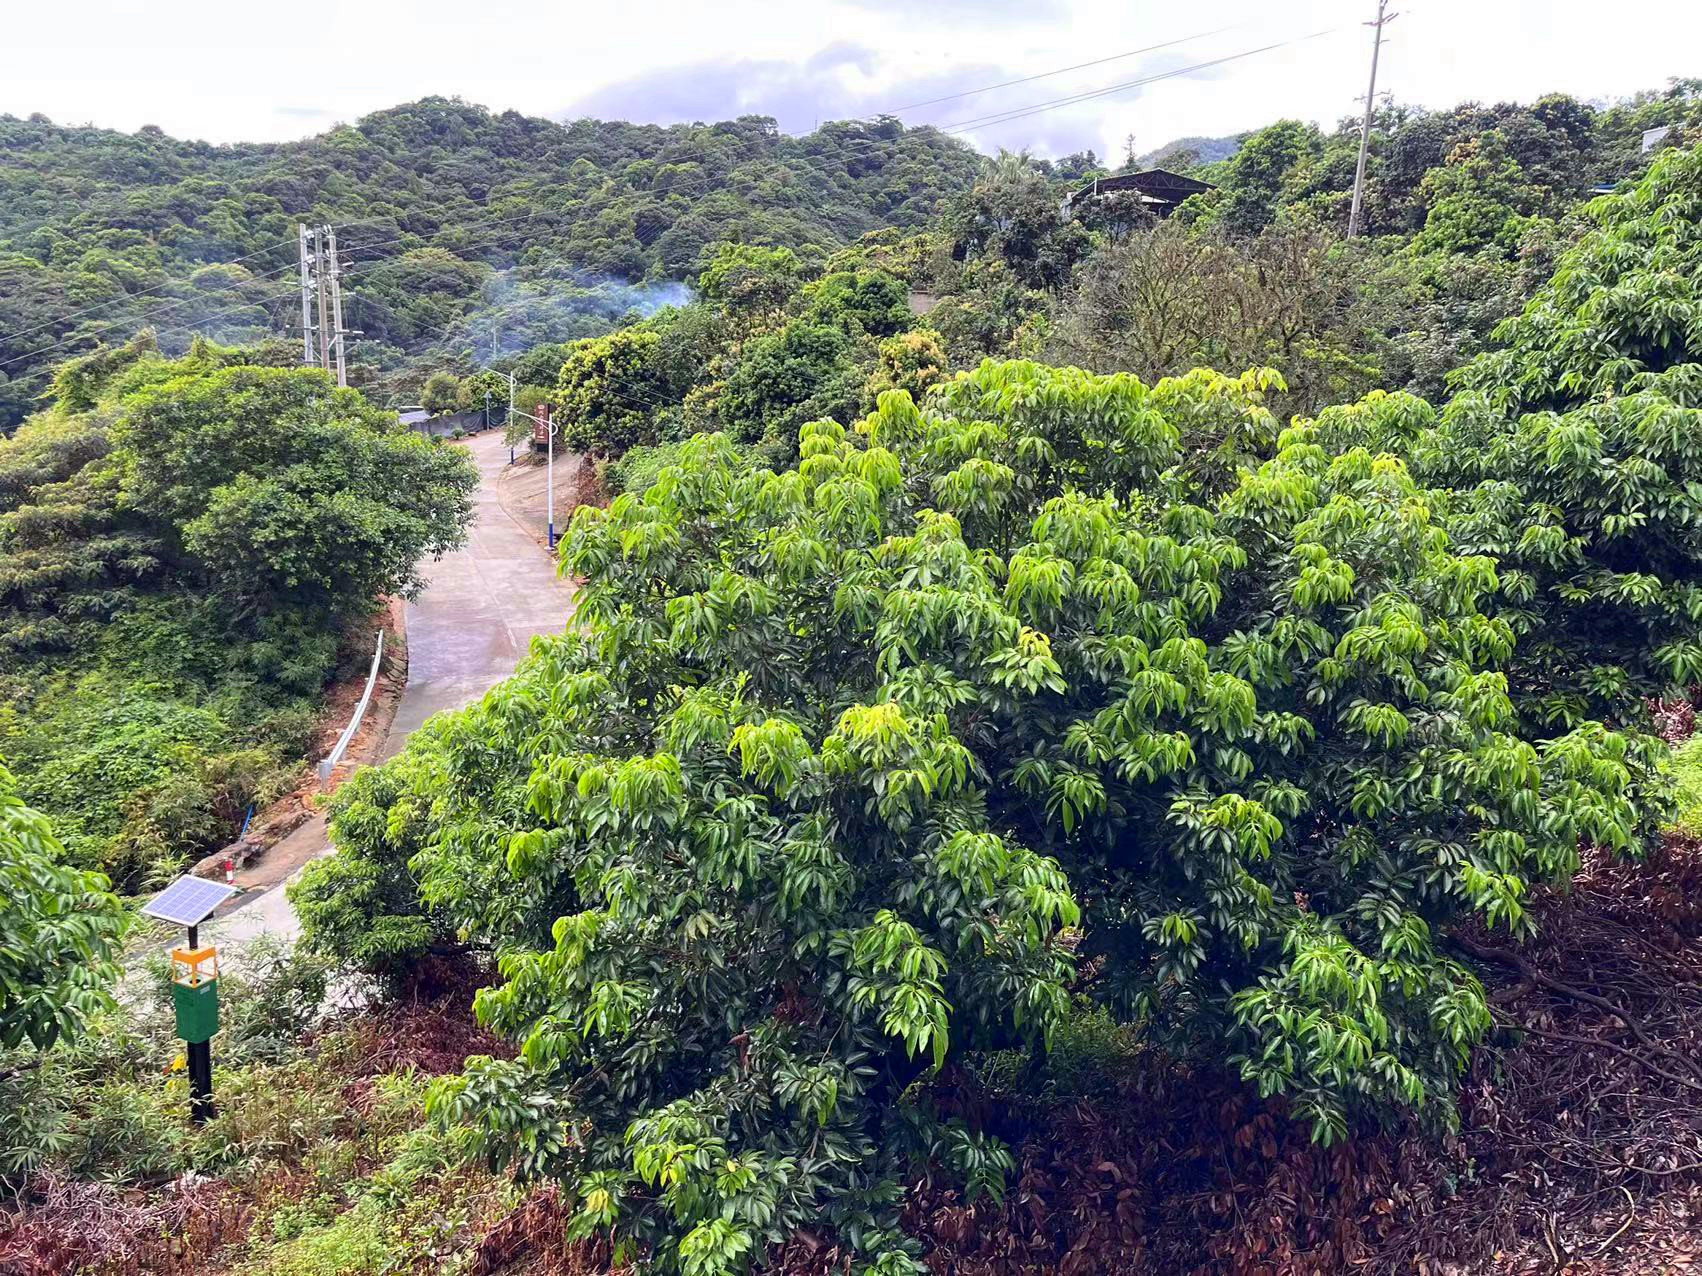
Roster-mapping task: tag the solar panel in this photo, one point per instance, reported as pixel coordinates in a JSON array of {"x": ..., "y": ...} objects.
[{"x": 188, "y": 901}]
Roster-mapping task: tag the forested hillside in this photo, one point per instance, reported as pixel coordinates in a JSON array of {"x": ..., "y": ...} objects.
[
  {"x": 1466, "y": 210},
  {"x": 472, "y": 233}
]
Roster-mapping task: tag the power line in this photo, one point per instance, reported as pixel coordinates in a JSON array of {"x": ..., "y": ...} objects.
[
  {"x": 143, "y": 292},
  {"x": 1063, "y": 70},
  {"x": 102, "y": 329},
  {"x": 1039, "y": 108},
  {"x": 192, "y": 326},
  {"x": 103, "y": 325}
]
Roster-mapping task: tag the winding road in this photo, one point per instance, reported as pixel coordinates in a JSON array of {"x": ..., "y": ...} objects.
[{"x": 467, "y": 630}]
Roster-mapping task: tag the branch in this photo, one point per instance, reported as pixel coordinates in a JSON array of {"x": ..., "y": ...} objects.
[
  {"x": 9, "y": 1073},
  {"x": 1578, "y": 1039},
  {"x": 1519, "y": 962}
]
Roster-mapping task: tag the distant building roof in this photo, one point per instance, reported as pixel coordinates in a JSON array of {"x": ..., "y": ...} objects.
[
  {"x": 1653, "y": 137},
  {"x": 413, "y": 416},
  {"x": 1156, "y": 186}
]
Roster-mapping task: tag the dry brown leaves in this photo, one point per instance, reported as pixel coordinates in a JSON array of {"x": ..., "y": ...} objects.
[{"x": 73, "y": 1226}]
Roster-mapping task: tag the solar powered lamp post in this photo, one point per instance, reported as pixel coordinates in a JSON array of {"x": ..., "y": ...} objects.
[{"x": 188, "y": 902}]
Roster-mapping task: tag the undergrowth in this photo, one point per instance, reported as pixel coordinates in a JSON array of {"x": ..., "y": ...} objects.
[{"x": 319, "y": 1161}]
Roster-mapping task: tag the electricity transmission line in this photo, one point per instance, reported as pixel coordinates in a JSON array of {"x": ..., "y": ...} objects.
[
  {"x": 1063, "y": 70},
  {"x": 192, "y": 327},
  {"x": 143, "y": 292},
  {"x": 1040, "y": 108}
]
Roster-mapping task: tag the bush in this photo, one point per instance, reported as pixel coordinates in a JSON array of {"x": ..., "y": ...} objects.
[
  {"x": 850, "y": 769},
  {"x": 608, "y": 392},
  {"x": 272, "y": 1004},
  {"x": 1092, "y": 1055},
  {"x": 1687, "y": 775},
  {"x": 812, "y": 795},
  {"x": 59, "y": 932}
]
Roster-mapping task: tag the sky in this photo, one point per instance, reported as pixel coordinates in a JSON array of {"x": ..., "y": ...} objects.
[{"x": 227, "y": 71}]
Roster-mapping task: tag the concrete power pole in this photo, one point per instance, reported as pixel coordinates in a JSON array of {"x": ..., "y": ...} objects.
[
  {"x": 1384, "y": 17},
  {"x": 324, "y": 301},
  {"x": 335, "y": 269},
  {"x": 308, "y": 272}
]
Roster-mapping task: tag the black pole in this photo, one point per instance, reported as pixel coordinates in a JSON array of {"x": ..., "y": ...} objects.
[
  {"x": 199, "y": 1056},
  {"x": 200, "y": 1059}
]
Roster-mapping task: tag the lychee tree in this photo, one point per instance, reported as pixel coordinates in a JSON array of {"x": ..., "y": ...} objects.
[{"x": 1060, "y": 683}]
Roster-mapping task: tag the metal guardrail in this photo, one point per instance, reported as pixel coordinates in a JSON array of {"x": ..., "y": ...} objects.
[{"x": 329, "y": 763}]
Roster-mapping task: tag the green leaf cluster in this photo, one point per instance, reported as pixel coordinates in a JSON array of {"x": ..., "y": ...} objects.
[{"x": 59, "y": 932}]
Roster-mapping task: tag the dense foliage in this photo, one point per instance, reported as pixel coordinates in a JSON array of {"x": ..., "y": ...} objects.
[
  {"x": 474, "y": 234},
  {"x": 1059, "y": 682},
  {"x": 928, "y": 705},
  {"x": 183, "y": 547},
  {"x": 59, "y": 929},
  {"x": 1573, "y": 457}
]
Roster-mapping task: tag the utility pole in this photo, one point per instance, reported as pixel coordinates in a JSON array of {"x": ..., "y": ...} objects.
[
  {"x": 549, "y": 472},
  {"x": 1384, "y": 17},
  {"x": 319, "y": 283},
  {"x": 336, "y": 301},
  {"x": 307, "y": 273},
  {"x": 322, "y": 291},
  {"x": 335, "y": 268}
]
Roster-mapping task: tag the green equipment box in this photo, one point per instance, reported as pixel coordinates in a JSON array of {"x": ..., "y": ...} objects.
[{"x": 197, "y": 1009}]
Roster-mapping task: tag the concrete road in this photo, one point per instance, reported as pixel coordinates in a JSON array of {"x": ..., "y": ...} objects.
[{"x": 466, "y": 632}]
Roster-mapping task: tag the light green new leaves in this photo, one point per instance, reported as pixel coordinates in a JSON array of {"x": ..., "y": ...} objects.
[{"x": 59, "y": 932}]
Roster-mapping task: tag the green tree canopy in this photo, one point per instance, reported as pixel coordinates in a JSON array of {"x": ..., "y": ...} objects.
[
  {"x": 786, "y": 377},
  {"x": 280, "y": 489},
  {"x": 608, "y": 392},
  {"x": 441, "y": 393}
]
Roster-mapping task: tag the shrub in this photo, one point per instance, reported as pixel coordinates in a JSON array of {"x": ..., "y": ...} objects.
[
  {"x": 812, "y": 800},
  {"x": 1687, "y": 774},
  {"x": 1573, "y": 456},
  {"x": 275, "y": 1000},
  {"x": 608, "y": 392}
]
